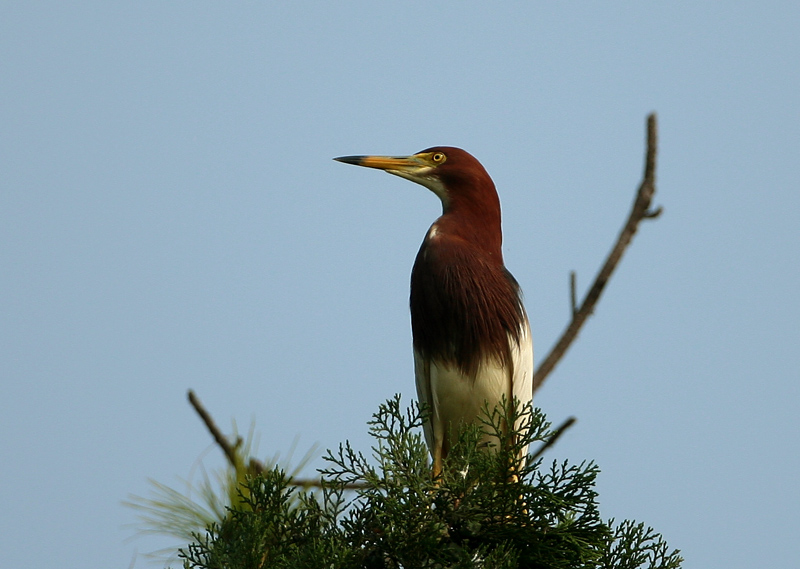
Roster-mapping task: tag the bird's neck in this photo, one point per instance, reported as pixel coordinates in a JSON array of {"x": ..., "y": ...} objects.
[{"x": 479, "y": 227}]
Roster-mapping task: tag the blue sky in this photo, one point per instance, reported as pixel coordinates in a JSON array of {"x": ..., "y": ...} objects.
[{"x": 171, "y": 218}]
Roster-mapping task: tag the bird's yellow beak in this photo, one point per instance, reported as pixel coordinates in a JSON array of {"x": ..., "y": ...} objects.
[
  {"x": 399, "y": 165},
  {"x": 419, "y": 168}
]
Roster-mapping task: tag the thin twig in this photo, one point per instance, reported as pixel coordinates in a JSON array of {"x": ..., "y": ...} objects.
[
  {"x": 227, "y": 448},
  {"x": 254, "y": 465},
  {"x": 317, "y": 483},
  {"x": 556, "y": 435},
  {"x": 219, "y": 438},
  {"x": 572, "y": 301},
  {"x": 639, "y": 211}
]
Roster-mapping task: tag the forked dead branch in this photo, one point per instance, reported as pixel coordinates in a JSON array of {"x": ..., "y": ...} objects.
[{"x": 640, "y": 210}]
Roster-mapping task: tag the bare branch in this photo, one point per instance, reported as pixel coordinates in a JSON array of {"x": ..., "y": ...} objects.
[
  {"x": 229, "y": 449},
  {"x": 556, "y": 435},
  {"x": 572, "y": 302},
  {"x": 253, "y": 464},
  {"x": 219, "y": 438},
  {"x": 639, "y": 211}
]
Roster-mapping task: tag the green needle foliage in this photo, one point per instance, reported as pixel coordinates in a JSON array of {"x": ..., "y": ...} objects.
[{"x": 485, "y": 512}]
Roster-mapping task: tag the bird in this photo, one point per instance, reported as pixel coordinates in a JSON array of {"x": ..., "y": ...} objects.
[{"x": 471, "y": 334}]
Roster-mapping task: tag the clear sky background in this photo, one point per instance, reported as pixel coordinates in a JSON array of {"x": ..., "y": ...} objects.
[{"x": 171, "y": 218}]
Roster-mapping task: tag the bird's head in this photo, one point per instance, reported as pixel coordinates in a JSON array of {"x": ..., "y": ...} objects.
[{"x": 451, "y": 173}]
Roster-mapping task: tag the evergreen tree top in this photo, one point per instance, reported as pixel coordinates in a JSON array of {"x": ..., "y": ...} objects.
[{"x": 484, "y": 512}]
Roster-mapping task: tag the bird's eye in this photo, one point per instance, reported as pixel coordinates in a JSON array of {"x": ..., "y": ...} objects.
[{"x": 438, "y": 157}]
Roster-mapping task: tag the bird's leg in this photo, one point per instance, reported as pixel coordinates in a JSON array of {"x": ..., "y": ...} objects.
[
  {"x": 437, "y": 463},
  {"x": 514, "y": 476},
  {"x": 514, "y": 479}
]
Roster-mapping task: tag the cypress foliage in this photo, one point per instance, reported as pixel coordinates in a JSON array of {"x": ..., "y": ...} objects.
[{"x": 383, "y": 511}]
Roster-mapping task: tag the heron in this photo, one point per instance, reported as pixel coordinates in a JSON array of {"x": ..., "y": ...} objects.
[{"x": 471, "y": 335}]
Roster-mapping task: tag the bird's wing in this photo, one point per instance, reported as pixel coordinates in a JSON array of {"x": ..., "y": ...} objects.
[{"x": 522, "y": 369}]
